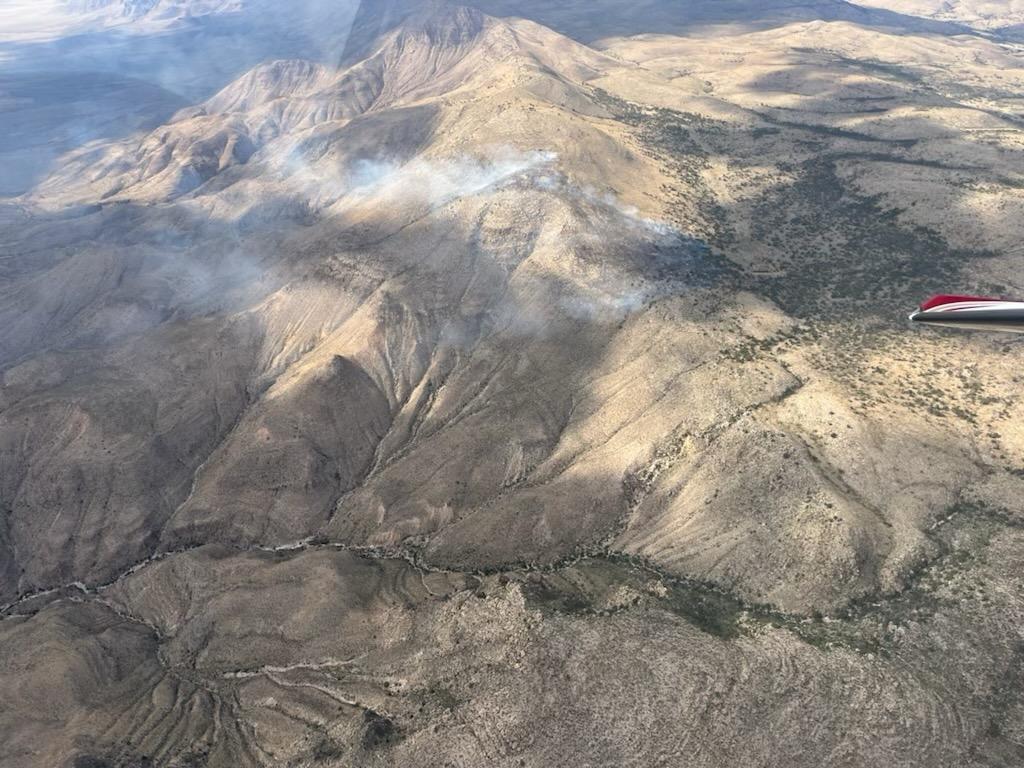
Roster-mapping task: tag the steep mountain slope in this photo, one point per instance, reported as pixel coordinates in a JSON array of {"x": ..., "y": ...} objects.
[{"x": 491, "y": 399}]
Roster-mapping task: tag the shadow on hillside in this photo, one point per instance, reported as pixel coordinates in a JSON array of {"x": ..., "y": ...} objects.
[
  {"x": 48, "y": 114},
  {"x": 589, "y": 22},
  {"x": 826, "y": 248}
]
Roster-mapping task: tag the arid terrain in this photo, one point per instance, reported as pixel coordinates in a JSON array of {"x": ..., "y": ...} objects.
[{"x": 513, "y": 383}]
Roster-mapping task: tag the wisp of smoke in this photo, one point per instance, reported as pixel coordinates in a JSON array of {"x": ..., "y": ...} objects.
[
  {"x": 437, "y": 182},
  {"x": 328, "y": 182}
]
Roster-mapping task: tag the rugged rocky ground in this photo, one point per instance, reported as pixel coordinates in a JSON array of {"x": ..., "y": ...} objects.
[{"x": 510, "y": 384}]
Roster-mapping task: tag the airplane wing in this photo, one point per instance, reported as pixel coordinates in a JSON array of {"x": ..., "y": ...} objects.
[{"x": 972, "y": 312}]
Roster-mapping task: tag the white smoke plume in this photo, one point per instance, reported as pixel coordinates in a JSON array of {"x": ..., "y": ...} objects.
[
  {"x": 440, "y": 181},
  {"x": 431, "y": 181}
]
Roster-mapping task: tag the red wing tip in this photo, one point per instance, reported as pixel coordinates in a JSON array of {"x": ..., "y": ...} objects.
[{"x": 944, "y": 298}]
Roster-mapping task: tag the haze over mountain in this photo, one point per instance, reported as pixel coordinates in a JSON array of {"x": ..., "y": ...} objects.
[
  {"x": 189, "y": 47},
  {"x": 980, "y": 14},
  {"x": 508, "y": 383}
]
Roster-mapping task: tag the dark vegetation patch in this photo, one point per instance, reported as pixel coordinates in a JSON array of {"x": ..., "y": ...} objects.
[
  {"x": 834, "y": 252},
  {"x": 553, "y": 592},
  {"x": 844, "y": 253},
  {"x": 883, "y": 69},
  {"x": 873, "y": 623},
  {"x": 611, "y": 583},
  {"x": 327, "y": 749},
  {"x": 674, "y": 139},
  {"x": 890, "y": 157},
  {"x": 444, "y": 697},
  {"x": 709, "y": 609},
  {"x": 834, "y": 132},
  {"x": 379, "y": 731},
  {"x": 435, "y": 699},
  {"x": 998, "y": 745},
  {"x": 197, "y": 758},
  {"x": 98, "y": 761},
  {"x": 605, "y": 585}
]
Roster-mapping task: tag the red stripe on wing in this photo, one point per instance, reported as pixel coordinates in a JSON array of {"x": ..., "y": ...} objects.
[{"x": 938, "y": 301}]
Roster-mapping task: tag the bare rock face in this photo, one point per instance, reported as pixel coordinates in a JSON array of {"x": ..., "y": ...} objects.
[{"x": 509, "y": 384}]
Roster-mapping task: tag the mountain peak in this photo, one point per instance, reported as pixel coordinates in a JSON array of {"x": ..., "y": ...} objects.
[
  {"x": 440, "y": 21},
  {"x": 446, "y": 24}
]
